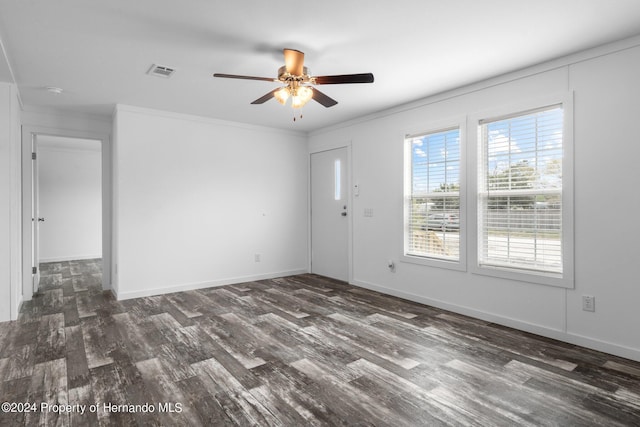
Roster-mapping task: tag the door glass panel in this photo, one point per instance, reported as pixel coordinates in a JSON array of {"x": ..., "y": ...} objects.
[{"x": 337, "y": 183}]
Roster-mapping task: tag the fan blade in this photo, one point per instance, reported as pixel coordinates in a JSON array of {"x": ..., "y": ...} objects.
[
  {"x": 266, "y": 97},
  {"x": 323, "y": 99},
  {"x": 234, "y": 76},
  {"x": 344, "y": 78},
  {"x": 294, "y": 62}
]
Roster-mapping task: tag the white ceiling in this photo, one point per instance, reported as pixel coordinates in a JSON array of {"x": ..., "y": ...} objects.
[{"x": 99, "y": 51}]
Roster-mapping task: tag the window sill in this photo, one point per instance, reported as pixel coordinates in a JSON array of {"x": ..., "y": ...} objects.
[
  {"x": 434, "y": 262},
  {"x": 536, "y": 277}
]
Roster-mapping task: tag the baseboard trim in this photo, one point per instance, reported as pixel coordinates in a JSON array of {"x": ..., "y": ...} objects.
[
  {"x": 201, "y": 285},
  {"x": 545, "y": 331},
  {"x": 70, "y": 258},
  {"x": 603, "y": 346}
]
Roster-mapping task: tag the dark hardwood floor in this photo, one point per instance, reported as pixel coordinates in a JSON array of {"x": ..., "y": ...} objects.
[{"x": 296, "y": 351}]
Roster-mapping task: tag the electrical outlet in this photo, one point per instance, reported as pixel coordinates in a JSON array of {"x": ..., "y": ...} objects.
[
  {"x": 588, "y": 303},
  {"x": 256, "y": 257}
]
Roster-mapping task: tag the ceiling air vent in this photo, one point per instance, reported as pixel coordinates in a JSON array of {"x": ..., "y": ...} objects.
[{"x": 160, "y": 71}]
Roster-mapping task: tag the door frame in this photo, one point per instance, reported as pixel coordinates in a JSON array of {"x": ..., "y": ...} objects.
[
  {"x": 28, "y": 133},
  {"x": 350, "y": 210}
]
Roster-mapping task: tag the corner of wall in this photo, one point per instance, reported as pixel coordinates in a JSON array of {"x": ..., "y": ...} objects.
[
  {"x": 16, "y": 204},
  {"x": 114, "y": 201}
]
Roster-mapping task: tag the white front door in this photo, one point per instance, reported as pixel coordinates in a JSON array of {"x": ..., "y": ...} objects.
[{"x": 329, "y": 214}]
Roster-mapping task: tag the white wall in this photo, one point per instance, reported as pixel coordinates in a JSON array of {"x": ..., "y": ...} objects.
[
  {"x": 70, "y": 193},
  {"x": 196, "y": 199},
  {"x": 10, "y": 271},
  {"x": 5, "y": 194},
  {"x": 63, "y": 120},
  {"x": 607, "y": 104},
  {"x": 16, "y": 206},
  {"x": 607, "y": 107}
]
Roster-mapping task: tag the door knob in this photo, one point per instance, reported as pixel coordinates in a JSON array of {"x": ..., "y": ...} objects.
[
  {"x": 343, "y": 214},
  {"x": 40, "y": 219}
]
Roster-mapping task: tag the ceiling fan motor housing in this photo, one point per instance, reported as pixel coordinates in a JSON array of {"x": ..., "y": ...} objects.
[{"x": 286, "y": 77}]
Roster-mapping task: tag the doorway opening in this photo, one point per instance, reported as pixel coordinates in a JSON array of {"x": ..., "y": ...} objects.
[{"x": 66, "y": 203}]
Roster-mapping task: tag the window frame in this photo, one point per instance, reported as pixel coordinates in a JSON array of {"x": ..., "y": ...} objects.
[
  {"x": 431, "y": 128},
  {"x": 565, "y": 279}
]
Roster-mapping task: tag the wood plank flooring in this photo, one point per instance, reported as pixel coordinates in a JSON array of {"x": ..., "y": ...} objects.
[{"x": 295, "y": 351}]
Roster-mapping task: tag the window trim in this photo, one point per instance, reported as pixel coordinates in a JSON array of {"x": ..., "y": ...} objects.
[
  {"x": 460, "y": 264},
  {"x": 474, "y": 142}
]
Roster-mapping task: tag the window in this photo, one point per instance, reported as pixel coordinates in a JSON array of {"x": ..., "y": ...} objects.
[
  {"x": 520, "y": 210},
  {"x": 432, "y": 195}
]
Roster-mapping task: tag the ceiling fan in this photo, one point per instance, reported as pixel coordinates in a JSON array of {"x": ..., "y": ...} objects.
[{"x": 298, "y": 83}]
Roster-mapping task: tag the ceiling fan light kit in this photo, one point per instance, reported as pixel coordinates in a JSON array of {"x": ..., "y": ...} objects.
[
  {"x": 298, "y": 82},
  {"x": 300, "y": 95}
]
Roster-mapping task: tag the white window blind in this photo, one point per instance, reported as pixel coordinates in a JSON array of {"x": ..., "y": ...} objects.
[
  {"x": 432, "y": 203},
  {"x": 520, "y": 191}
]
